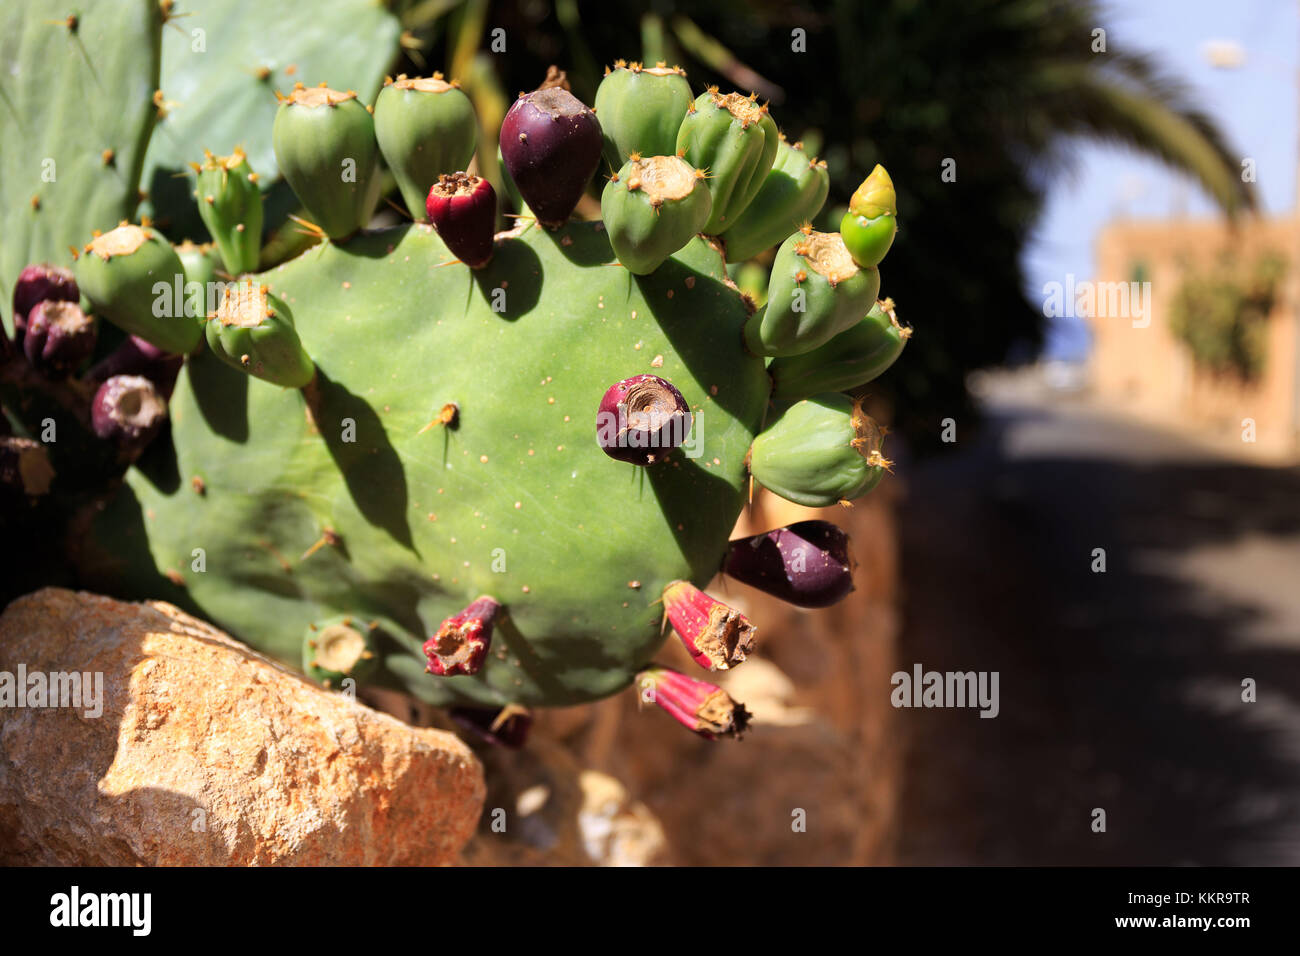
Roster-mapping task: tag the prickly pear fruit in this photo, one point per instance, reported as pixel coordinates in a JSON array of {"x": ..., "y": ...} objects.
[
  {"x": 252, "y": 330},
  {"x": 324, "y": 143},
  {"x": 550, "y": 143},
  {"x": 463, "y": 208},
  {"x": 696, "y": 704},
  {"x": 338, "y": 648},
  {"x": 641, "y": 419},
  {"x": 25, "y": 469},
  {"x": 59, "y": 338},
  {"x": 40, "y": 283},
  {"x": 651, "y": 208},
  {"x": 734, "y": 140},
  {"x": 807, "y": 564},
  {"x": 119, "y": 273},
  {"x": 425, "y": 127},
  {"x": 230, "y": 205},
  {"x": 716, "y": 636},
  {"x": 852, "y": 358},
  {"x": 792, "y": 194},
  {"x": 135, "y": 356},
  {"x": 128, "y": 411},
  {"x": 202, "y": 288},
  {"x": 816, "y": 291},
  {"x": 640, "y": 110},
  {"x": 869, "y": 226},
  {"x": 819, "y": 451},
  {"x": 461, "y": 643}
]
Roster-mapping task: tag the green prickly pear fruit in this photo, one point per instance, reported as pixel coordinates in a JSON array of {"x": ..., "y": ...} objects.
[
  {"x": 640, "y": 110},
  {"x": 820, "y": 450},
  {"x": 425, "y": 127},
  {"x": 132, "y": 276},
  {"x": 339, "y": 648},
  {"x": 252, "y": 330},
  {"x": 230, "y": 205},
  {"x": 816, "y": 291},
  {"x": 734, "y": 140},
  {"x": 869, "y": 226},
  {"x": 325, "y": 145},
  {"x": 201, "y": 264},
  {"x": 850, "y": 359},
  {"x": 652, "y": 207},
  {"x": 792, "y": 194}
]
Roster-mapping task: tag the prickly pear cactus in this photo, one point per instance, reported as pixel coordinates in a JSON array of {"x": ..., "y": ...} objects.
[{"x": 492, "y": 470}]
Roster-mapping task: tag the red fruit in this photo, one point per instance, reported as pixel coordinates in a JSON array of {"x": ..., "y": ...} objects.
[
  {"x": 463, "y": 208},
  {"x": 695, "y": 704},
  {"x": 717, "y": 636},
  {"x": 550, "y": 143},
  {"x": 641, "y": 419},
  {"x": 462, "y": 641}
]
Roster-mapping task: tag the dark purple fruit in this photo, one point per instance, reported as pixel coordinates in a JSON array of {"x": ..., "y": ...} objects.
[
  {"x": 40, "y": 283},
  {"x": 550, "y": 143},
  {"x": 807, "y": 564},
  {"x": 135, "y": 356},
  {"x": 128, "y": 411},
  {"x": 59, "y": 337}
]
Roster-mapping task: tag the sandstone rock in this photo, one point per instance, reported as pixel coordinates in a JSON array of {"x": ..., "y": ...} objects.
[{"x": 207, "y": 753}]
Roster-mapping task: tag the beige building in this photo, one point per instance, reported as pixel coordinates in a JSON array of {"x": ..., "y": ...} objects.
[{"x": 1138, "y": 364}]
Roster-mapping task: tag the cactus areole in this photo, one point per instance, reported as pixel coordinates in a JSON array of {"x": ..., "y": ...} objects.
[{"x": 384, "y": 447}]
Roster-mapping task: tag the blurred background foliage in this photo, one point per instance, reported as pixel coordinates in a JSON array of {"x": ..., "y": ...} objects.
[
  {"x": 1001, "y": 87},
  {"x": 1221, "y": 314}
]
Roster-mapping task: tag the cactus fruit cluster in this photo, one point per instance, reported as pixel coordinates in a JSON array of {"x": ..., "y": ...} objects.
[{"x": 490, "y": 468}]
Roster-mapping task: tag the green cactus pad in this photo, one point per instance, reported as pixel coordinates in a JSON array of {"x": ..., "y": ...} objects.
[
  {"x": 134, "y": 279},
  {"x": 425, "y": 127},
  {"x": 325, "y": 145},
  {"x": 230, "y": 203},
  {"x": 816, "y": 292},
  {"x": 652, "y": 208},
  {"x": 819, "y": 451},
  {"x": 640, "y": 109},
  {"x": 792, "y": 194},
  {"x": 735, "y": 140},
  {"x": 850, "y": 359},
  {"x": 76, "y": 111},
  {"x": 510, "y": 497}
]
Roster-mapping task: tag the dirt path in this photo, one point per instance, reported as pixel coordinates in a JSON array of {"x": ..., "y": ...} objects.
[{"x": 1120, "y": 690}]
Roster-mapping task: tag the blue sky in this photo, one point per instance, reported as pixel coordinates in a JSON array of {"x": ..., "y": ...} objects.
[{"x": 1256, "y": 104}]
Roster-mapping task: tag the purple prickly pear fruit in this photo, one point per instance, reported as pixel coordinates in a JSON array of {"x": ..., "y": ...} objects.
[
  {"x": 641, "y": 419},
  {"x": 59, "y": 337},
  {"x": 551, "y": 143},
  {"x": 128, "y": 411},
  {"x": 506, "y": 727},
  {"x": 695, "y": 704},
  {"x": 24, "y": 467},
  {"x": 808, "y": 564},
  {"x": 40, "y": 283},
  {"x": 135, "y": 356},
  {"x": 717, "y": 636},
  {"x": 461, "y": 644},
  {"x": 463, "y": 208}
]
